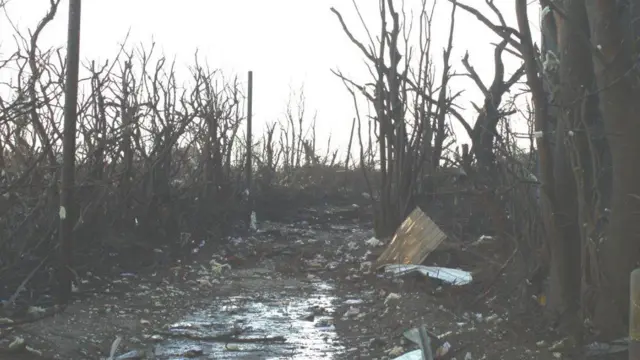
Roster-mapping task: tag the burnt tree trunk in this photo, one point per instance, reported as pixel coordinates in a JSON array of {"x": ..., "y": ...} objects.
[{"x": 617, "y": 79}]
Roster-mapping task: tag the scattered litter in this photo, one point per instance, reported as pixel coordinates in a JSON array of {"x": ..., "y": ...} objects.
[
  {"x": 254, "y": 221},
  {"x": 354, "y": 301},
  {"x": 411, "y": 355},
  {"x": 396, "y": 350},
  {"x": 559, "y": 345},
  {"x": 204, "y": 283},
  {"x": 114, "y": 347},
  {"x": 132, "y": 355},
  {"x": 17, "y": 344},
  {"x": 218, "y": 268},
  {"x": 317, "y": 262},
  {"x": 444, "y": 350},
  {"x": 193, "y": 352},
  {"x": 391, "y": 297},
  {"x": 413, "y": 241},
  {"x": 33, "y": 351},
  {"x": 481, "y": 240},
  {"x": 373, "y": 242},
  {"x": 324, "y": 323},
  {"x": 413, "y": 335},
  {"x": 366, "y": 266},
  {"x": 353, "y": 311},
  {"x": 332, "y": 265},
  {"x": 36, "y": 310},
  {"x": 447, "y": 275},
  {"x": 598, "y": 349}
]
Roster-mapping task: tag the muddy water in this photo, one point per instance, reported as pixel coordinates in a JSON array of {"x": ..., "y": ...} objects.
[{"x": 265, "y": 307}]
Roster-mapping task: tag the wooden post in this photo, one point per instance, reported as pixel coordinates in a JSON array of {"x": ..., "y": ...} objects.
[
  {"x": 634, "y": 316},
  {"x": 67, "y": 206},
  {"x": 248, "y": 168}
]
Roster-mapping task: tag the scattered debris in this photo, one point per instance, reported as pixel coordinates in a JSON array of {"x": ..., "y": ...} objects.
[
  {"x": 446, "y": 275},
  {"x": 354, "y": 301},
  {"x": 353, "y": 311},
  {"x": 442, "y": 348},
  {"x": 397, "y": 350},
  {"x": 392, "y": 297},
  {"x": 413, "y": 241},
  {"x": 598, "y": 349},
  {"x": 132, "y": 355},
  {"x": 218, "y": 268},
  {"x": 481, "y": 240},
  {"x": 332, "y": 265},
  {"x": 373, "y": 242},
  {"x": 18, "y": 344},
  {"x": 114, "y": 347},
  {"x": 254, "y": 221},
  {"x": 365, "y": 266},
  {"x": 411, "y": 355}
]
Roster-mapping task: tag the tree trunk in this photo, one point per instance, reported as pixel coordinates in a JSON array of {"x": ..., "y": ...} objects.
[{"x": 614, "y": 68}]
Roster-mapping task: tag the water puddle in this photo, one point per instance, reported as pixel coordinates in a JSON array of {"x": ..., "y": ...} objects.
[{"x": 272, "y": 325}]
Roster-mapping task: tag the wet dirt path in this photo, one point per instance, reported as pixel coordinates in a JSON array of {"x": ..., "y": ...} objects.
[
  {"x": 277, "y": 318},
  {"x": 279, "y": 304}
]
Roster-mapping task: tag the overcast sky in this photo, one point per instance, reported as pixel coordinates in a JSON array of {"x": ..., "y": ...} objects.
[{"x": 286, "y": 43}]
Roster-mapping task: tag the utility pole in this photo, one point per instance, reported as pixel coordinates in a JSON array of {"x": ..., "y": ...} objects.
[
  {"x": 248, "y": 168},
  {"x": 67, "y": 207}
]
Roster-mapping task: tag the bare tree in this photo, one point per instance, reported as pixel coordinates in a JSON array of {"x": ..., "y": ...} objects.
[{"x": 409, "y": 115}]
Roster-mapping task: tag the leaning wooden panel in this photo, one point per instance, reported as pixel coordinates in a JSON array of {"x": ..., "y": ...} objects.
[{"x": 413, "y": 241}]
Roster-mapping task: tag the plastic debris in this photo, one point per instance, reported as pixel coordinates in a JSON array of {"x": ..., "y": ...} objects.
[
  {"x": 353, "y": 311},
  {"x": 413, "y": 335},
  {"x": 373, "y": 242},
  {"x": 254, "y": 221},
  {"x": 397, "y": 350},
  {"x": 353, "y": 301},
  {"x": 132, "y": 355},
  {"x": 598, "y": 349},
  {"x": 411, "y": 355},
  {"x": 447, "y": 275},
  {"x": 392, "y": 297}
]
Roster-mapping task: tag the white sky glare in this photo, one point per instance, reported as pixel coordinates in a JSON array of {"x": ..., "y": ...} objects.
[{"x": 286, "y": 43}]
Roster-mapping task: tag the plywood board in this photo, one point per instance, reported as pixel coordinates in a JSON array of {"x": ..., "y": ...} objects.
[{"x": 413, "y": 241}]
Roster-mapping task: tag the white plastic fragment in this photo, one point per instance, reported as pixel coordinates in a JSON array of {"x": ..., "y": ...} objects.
[
  {"x": 254, "y": 221},
  {"x": 391, "y": 297},
  {"x": 353, "y": 311},
  {"x": 373, "y": 242},
  {"x": 114, "y": 347},
  {"x": 447, "y": 275},
  {"x": 397, "y": 350}
]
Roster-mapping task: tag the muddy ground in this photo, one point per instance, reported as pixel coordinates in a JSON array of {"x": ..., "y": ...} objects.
[{"x": 292, "y": 290}]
